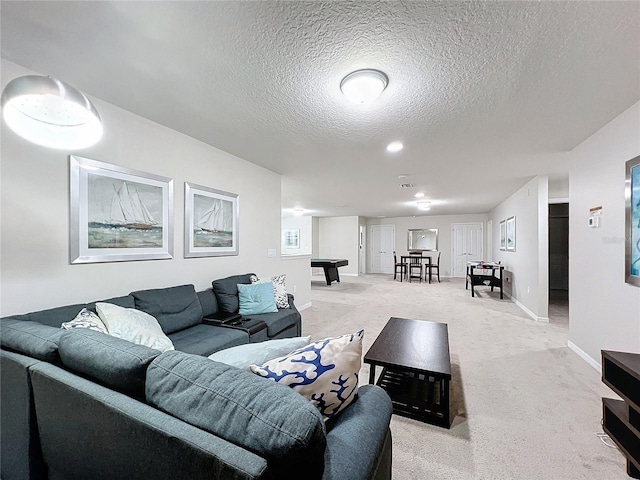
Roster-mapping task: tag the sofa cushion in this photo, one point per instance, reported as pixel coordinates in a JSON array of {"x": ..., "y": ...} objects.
[
  {"x": 113, "y": 362},
  {"x": 54, "y": 317},
  {"x": 175, "y": 308},
  {"x": 256, "y": 299},
  {"x": 226, "y": 290},
  {"x": 325, "y": 372},
  {"x": 206, "y": 339},
  {"x": 31, "y": 338},
  {"x": 133, "y": 325},
  {"x": 208, "y": 302},
  {"x": 264, "y": 417},
  {"x": 243, "y": 356},
  {"x": 280, "y": 320}
]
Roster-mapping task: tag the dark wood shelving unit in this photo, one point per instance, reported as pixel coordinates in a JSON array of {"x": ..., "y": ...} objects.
[{"x": 621, "y": 418}]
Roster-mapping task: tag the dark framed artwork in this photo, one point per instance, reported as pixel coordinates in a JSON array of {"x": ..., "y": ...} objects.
[
  {"x": 118, "y": 214},
  {"x": 211, "y": 221},
  {"x": 632, "y": 222}
]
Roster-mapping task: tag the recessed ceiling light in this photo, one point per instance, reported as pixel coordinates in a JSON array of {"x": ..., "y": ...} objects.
[
  {"x": 364, "y": 86},
  {"x": 419, "y": 195},
  {"x": 423, "y": 205},
  {"x": 394, "y": 147}
]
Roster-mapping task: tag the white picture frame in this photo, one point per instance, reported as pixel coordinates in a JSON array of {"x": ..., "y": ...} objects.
[
  {"x": 211, "y": 222},
  {"x": 118, "y": 214},
  {"x": 511, "y": 234}
]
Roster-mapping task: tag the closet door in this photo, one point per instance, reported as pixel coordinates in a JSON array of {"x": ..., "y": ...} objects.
[{"x": 466, "y": 246}]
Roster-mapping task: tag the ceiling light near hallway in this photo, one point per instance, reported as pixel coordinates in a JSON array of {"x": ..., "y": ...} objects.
[
  {"x": 364, "y": 86},
  {"x": 394, "y": 147},
  {"x": 298, "y": 211},
  {"x": 424, "y": 205},
  {"x": 419, "y": 195}
]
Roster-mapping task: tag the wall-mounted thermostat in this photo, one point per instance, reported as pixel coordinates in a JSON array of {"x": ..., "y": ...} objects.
[{"x": 594, "y": 221}]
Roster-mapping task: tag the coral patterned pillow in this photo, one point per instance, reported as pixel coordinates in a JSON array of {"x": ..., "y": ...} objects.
[{"x": 325, "y": 372}]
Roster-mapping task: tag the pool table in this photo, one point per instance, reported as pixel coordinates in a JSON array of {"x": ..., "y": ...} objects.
[{"x": 330, "y": 267}]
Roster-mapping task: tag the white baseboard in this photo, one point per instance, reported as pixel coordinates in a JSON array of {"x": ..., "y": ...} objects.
[
  {"x": 527, "y": 311},
  {"x": 303, "y": 307},
  {"x": 583, "y": 355}
]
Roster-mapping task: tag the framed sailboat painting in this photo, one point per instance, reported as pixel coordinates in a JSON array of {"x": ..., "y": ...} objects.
[
  {"x": 210, "y": 222},
  {"x": 118, "y": 214}
]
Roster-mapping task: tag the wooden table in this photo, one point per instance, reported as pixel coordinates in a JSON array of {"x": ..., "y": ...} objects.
[
  {"x": 330, "y": 267},
  {"x": 416, "y": 369},
  {"x": 405, "y": 259}
]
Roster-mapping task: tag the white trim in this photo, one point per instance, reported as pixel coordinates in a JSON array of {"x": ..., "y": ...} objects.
[
  {"x": 527, "y": 311},
  {"x": 349, "y": 275},
  {"x": 296, "y": 256},
  {"x": 583, "y": 355},
  {"x": 558, "y": 200},
  {"x": 304, "y": 307}
]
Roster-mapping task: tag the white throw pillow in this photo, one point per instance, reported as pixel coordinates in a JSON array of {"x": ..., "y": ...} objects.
[
  {"x": 325, "y": 372},
  {"x": 248, "y": 354},
  {"x": 133, "y": 325},
  {"x": 86, "y": 319}
]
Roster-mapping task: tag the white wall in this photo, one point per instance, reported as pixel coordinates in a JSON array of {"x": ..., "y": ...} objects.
[
  {"x": 441, "y": 222},
  {"x": 338, "y": 238},
  {"x": 526, "y": 268},
  {"x": 35, "y": 270},
  {"x": 604, "y": 311}
]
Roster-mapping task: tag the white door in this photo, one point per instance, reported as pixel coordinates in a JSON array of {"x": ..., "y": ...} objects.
[
  {"x": 362, "y": 245},
  {"x": 383, "y": 241},
  {"x": 466, "y": 246}
]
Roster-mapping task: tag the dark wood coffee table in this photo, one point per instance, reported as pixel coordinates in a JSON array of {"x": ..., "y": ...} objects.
[{"x": 416, "y": 369}]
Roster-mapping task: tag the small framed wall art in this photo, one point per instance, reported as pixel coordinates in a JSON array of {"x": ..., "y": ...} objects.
[
  {"x": 511, "y": 234},
  {"x": 118, "y": 214},
  {"x": 211, "y": 221}
]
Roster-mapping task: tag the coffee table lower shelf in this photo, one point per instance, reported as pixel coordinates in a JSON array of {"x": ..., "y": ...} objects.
[{"x": 419, "y": 396}]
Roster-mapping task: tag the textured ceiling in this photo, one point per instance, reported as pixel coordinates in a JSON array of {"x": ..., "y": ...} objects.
[{"x": 483, "y": 95}]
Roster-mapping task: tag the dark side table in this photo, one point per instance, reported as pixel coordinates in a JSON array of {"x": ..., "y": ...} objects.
[
  {"x": 257, "y": 329},
  {"x": 477, "y": 275}
]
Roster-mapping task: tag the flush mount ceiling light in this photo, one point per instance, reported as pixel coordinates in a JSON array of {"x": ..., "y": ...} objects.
[
  {"x": 419, "y": 195},
  {"x": 51, "y": 113},
  {"x": 298, "y": 211},
  {"x": 423, "y": 205},
  {"x": 394, "y": 147},
  {"x": 364, "y": 86}
]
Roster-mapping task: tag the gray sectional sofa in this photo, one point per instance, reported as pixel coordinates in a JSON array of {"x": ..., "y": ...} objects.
[{"x": 82, "y": 404}]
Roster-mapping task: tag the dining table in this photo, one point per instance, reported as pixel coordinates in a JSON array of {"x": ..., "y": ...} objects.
[{"x": 405, "y": 259}]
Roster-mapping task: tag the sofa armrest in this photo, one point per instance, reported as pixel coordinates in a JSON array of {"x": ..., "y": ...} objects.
[
  {"x": 89, "y": 431},
  {"x": 358, "y": 444}
]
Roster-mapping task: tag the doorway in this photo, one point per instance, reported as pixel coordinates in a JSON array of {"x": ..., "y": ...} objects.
[
  {"x": 383, "y": 242},
  {"x": 362, "y": 253},
  {"x": 558, "y": 260},
  {"x": 466, "y": 246}
]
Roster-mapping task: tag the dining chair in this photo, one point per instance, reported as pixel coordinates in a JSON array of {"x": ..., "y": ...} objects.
[
  {"x": 402, "y": 267},
  {"x": 415, "y": 264},
  {"x": 430, "y": 267}
]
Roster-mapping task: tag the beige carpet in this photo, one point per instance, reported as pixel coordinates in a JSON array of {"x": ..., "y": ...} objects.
[{"x": 525, "y": 406}]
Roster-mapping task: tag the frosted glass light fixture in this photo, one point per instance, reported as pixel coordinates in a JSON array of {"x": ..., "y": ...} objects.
[
  {"x": 298, "y": 211},
  {"x": 394, "y": 147},
  {"x": 424, "y": 205},
  {"x": 51, "y": 113},
  {"x": 364, "y": 86}
]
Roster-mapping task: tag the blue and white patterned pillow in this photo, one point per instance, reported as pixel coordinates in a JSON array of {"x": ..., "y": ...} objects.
[
  {"x": 86, "y": 319},
  {"x": 325, "y": 372}
]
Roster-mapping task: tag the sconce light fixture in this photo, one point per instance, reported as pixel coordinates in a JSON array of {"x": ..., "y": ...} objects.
[{"x": 51, "y": 113}]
